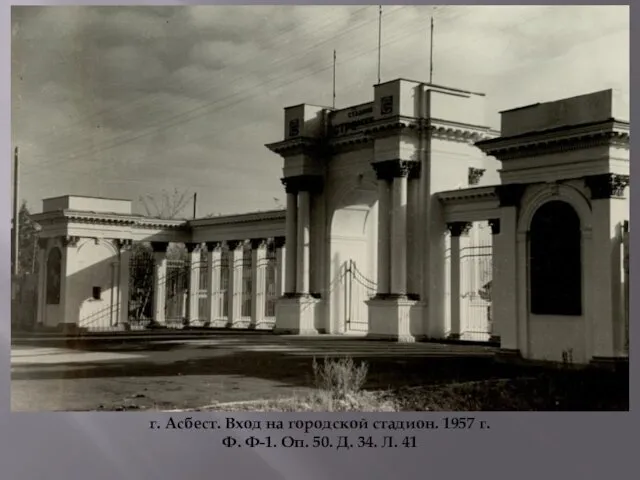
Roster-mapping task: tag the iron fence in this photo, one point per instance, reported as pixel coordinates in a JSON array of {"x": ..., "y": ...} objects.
[{"x": 358, "y": 289}]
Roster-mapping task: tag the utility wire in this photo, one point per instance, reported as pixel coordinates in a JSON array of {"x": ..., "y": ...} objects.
[
  {"x": 248, "y": 59},
  {"x": 300, "y": 55},
  {"x": 161, "y": 126}
]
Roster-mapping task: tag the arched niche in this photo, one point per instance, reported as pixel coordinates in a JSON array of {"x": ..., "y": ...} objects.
[{"x": 555, "y": 260}]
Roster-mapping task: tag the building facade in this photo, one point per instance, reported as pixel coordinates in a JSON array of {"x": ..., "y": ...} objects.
[{"x": 407, "y": 218}]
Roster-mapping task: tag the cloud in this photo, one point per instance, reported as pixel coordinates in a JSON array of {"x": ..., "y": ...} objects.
[{"x": 186, "y": 97}]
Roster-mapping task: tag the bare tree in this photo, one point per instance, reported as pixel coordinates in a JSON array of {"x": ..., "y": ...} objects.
[{"x": 168, "y": 206}]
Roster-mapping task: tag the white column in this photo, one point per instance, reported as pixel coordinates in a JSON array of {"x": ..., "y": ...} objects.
[
  {"x": 413, "y": 254},
  {"x": 504, "y": 289},
  {"x": 159, "y": 282},
  {"x": 497, "y": 274},
  {"x": 302, "y": 274},
  {"x": 399, "y": 236},
  {"x": 69, "y": 261},
  {"x": 123, "y": 284},
  {"x": 607, "y": 317},
  {"x": 281, "y": 252},
  {"x": 384, "y": 236},
  {"x": 292, "y": 242},
  {"x": 42, "y": 280},
  {"x": 258, "y": 280},
  {"x": 456, "y": 229},
  {"x": 236, "y": 252},
  {"x": 193, "y": 294},
  {"x": 214, "y": 273}
]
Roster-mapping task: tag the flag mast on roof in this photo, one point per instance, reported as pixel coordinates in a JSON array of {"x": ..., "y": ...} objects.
[
  {"x": 431, "y": 54},
  {"x": 379, "y": 38},
  {"x": 334, "y": 79}
]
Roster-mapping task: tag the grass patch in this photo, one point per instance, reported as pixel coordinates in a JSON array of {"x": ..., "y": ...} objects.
[{"x": 340, "y": 388}]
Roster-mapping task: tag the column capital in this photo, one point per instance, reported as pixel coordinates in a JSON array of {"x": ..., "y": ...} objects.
[
  {"x": 459, "y": 228},
  {"x": 122, "y": 245},
  {"x": 607, "y": 185},
  {"x": 159, "y": 247},
  {"x": 235, "y": 244},
  {"x": 70, "y": 240},
  {"x": 475, "y": 174},
  {"x": 258, "y": 243},
  {"x": 211, "y": 246},
  {"x": 510, "y": 195},
  {"x": 43, "y": 243},
  {"x": 390, "y": 169},
  {"x": 494, "y": 223},
  {"x": 192, "y": 247},
  {"x": 303, "y": 183},
  {"x": 279, "y": 242}
]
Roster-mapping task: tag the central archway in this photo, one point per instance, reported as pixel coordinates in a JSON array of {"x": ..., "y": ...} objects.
[{"x": 352, "y": 250}]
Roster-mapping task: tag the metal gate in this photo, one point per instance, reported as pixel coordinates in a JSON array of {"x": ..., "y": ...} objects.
[
  {"x": 141, "y": 268},
  {"x": 476, "y": 269},
  {"x": 357, "y": 289},
  {"x": 177, "y": 288}
]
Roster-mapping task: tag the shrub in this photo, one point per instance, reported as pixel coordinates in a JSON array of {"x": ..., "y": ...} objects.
[{"x": 340, "y": 378}]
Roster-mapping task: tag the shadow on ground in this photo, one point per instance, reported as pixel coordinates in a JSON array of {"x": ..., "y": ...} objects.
[{"x": 237, "y": 374}]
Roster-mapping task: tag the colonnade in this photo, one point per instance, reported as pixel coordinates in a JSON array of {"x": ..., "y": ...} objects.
[{"x": 225, "y": 286}]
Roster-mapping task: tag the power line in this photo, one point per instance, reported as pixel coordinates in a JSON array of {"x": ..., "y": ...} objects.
[
  {"x": 246, "y": 98},
  {"x": 248, "y": 59},
  {"x": 243, "y": 99},
  {"x": 278, "y": 60},
  {"x": 182, "y": 115}
]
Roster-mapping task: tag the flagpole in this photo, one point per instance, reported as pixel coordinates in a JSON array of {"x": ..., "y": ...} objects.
[
  {"x": 334, "y": 79},
  {"x": 431, "y": 54},
  {"x": 379, "y": 39},
  {"x": 16, "y": 213}
]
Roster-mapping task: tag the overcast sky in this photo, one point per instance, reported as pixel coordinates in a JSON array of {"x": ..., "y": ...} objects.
[{"x": 129, "y": 101}]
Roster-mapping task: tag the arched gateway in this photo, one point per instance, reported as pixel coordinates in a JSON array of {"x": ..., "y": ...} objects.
[
  {"x": 468, "y": 233},
  {"x": 406, "y": 219}
]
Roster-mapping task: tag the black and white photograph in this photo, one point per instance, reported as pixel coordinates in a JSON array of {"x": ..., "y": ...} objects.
[{"x": 292, "y": 208}]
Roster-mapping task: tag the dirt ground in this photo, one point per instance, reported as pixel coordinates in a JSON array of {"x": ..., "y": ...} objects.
[{"x": 171, "y": 374}]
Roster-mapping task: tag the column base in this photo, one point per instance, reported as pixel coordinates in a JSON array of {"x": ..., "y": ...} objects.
[
  {"x": 266, "y": 324},
  {"x": 123, "y": 326},
  {"x": 217, "y": 323},
  {"x": 295, "y": 315},
  {"x": 241, "y": 323},
  {"x": 394, "y": 317}
]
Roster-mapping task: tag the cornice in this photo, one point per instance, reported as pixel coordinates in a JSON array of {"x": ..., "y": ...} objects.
[
  {"x": 110, "y": 219},
  {"x": 558, "y": 140},
  {"x": 295, "y": 146},
  {"x": 240, "y": 218},
  {"x": 434, "y": 128},
  {"x": 478, "y": 193},
  {"x": 381, "y": 128}
]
